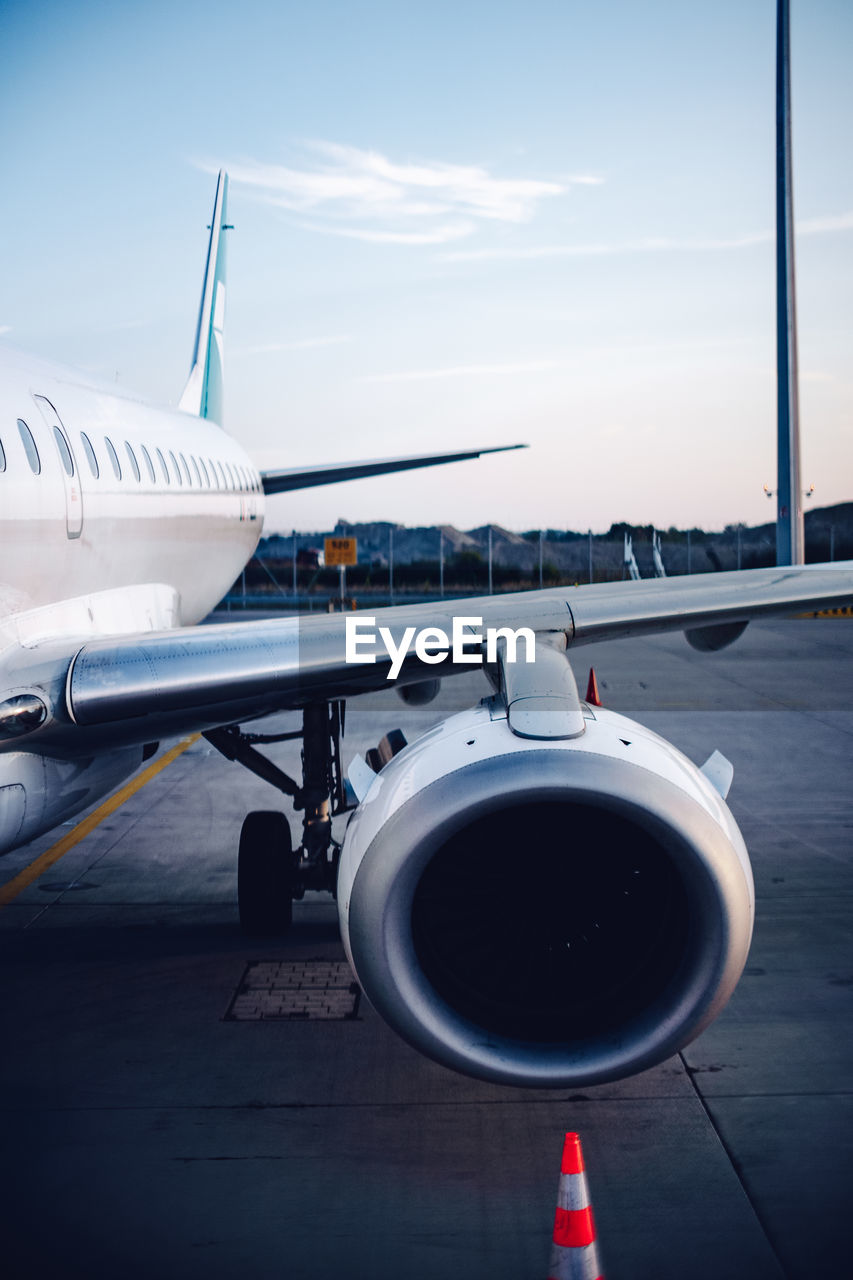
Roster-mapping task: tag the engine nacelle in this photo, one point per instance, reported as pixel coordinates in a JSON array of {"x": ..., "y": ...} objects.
[{"x": 545, "y": 913}]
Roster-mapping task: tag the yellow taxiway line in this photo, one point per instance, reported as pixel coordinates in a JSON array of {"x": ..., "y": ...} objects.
[{"x": 47, "y": 859}]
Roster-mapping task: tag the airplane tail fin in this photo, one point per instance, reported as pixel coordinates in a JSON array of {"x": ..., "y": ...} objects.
[{"x": 203, "y": 393}]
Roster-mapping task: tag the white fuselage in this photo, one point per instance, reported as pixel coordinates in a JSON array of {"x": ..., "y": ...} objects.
[
  {"x": 190, "y": 527},
  {"x": 115, "y": 518}
]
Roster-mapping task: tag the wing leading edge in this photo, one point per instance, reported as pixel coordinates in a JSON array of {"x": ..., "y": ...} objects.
[
  {"x": 142, "y": 687},
  {"x": 309, "y": 477}
]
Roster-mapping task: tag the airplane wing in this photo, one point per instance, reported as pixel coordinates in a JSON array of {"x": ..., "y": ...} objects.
[
  {"x": 309, "y": 477},
  {"x": 143, "y": 687},
  {"x": 631, "y": 843}
]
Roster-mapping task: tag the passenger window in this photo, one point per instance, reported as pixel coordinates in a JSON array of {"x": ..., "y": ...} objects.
[
  {"x": 64, "y": 451},
  {"x": 196, "y": 470},
  {"x": 148, "y": 464},
  {"x": 90, "y": 454},
  {"x": 186, "y": 469},
  {"x": 2, "y": 457},
  {"x": 132, "y": 459},
  {"x": 175, "y": 467},
  {"x": 113, "y": 457},
  {"x": 29, "y": 446},
  {"x": 163, "y": 466}
]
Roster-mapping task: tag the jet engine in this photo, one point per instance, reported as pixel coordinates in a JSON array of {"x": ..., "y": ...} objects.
[{"x": 545, "y": 913}]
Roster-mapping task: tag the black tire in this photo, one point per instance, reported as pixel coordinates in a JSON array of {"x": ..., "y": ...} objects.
[{"x": 265, "y": 874}]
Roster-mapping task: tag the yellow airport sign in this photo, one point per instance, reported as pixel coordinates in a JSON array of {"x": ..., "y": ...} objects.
[{"x": 340, "y": 551}]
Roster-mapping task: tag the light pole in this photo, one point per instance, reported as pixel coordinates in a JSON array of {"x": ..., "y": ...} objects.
[{"x": 790, "y": 535}]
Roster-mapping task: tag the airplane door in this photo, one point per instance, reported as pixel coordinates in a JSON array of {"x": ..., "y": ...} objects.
[{"x": 68, "y": 467}]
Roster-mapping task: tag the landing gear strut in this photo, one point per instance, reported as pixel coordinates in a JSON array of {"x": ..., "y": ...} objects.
[{"x": 270, "y": 874}]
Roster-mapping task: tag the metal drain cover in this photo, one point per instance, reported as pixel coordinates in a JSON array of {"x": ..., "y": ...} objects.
[{"x": 292, "y": 990}]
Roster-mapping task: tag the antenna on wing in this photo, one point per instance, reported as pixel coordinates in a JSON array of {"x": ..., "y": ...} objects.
[{"x": 203, "y": 393}]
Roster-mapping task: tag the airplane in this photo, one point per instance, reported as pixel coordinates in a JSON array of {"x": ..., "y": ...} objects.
[{"x": 122, "y": 527}]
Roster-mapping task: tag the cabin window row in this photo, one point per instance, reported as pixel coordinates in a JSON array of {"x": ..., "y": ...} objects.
[{"x": 171, "y": 468}]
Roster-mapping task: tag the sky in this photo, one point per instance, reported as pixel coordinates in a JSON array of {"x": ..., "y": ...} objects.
[{"x": 455, "y": 225}]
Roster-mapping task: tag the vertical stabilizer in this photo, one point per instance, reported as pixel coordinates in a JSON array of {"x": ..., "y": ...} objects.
[
  {"x": 660, "y": 570},
  {"x": 629, "y": 560},
  {"x": 203, "y": 393}
]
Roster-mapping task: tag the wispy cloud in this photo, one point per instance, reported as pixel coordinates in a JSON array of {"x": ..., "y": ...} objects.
[
  {"x": 382, "y": 200},
  {"x": 437, "y": 235},
  {"x": 5, "y": 328},
  {"x": 656, "y": 244},
  {"x": 650, "y": 244},
  {"x": 460, "y": 371},
  {"x": 298, "y": 344},
  {"x": 831, "y": 222}
]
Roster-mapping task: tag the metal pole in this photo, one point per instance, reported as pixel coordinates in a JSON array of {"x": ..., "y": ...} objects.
[
  {"x": 738, "y": 546},
  {"x": 391, "y": 563},
  {"x": 490, "y": 559},
  {"x": 688, "y": 552},
  {"x": 441, "y": 562},
  {"x": 294, "y": 563},
  {"x": 540, "y": 559},
  {"x": 343, "y": 584},
  {"x": 790, "y": 533},
  {"x": 590, "y": 555}
]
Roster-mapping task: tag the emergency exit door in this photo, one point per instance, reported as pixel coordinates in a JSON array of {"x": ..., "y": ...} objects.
[{"x": 68, "y": 467}]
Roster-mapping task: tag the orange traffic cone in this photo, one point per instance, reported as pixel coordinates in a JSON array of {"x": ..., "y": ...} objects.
[
  {"x": 592, "y": 690},
  {"x": 574, "y": 1253}
]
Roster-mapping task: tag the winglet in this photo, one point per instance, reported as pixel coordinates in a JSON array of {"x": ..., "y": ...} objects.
[{"x": 203, "y": 393}]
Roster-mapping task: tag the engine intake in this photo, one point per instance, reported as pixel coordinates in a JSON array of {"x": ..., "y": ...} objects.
[
  {"x": 524, "y": 936},
  {"x": 545, "y": 914}
]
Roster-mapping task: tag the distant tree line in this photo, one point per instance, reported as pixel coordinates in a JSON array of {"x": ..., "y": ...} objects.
[{"x": 565, "y": 561}]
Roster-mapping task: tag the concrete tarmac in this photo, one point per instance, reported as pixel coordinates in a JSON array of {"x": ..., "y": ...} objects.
[{"x": 145, "y": 1134}]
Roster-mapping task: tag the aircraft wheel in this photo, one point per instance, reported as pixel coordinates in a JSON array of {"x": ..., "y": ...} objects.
[{"x": 265, "y": 874}]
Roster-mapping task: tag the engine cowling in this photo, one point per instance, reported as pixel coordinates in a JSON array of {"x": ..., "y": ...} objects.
[{"x": 545, "y": 913}]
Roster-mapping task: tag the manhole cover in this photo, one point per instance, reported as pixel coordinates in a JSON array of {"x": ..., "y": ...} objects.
[{"x": 276, "y": 990}]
